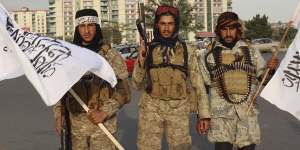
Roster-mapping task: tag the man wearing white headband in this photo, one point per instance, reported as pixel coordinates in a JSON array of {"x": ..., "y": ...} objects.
[
  {"x": 88, "y": 32},
  {"x": 103, "y": 100}
]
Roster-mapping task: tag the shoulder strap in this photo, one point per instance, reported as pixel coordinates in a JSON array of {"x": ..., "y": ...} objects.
[
  {"x": 185, "y": 55},
  {"x": 104, "y": 48},
  {"x": 216, "y": 54}
]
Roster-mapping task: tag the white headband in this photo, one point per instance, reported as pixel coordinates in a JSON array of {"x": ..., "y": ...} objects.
[{"x": 86, "y": 19}]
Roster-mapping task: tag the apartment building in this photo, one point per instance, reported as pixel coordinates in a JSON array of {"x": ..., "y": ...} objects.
[
  {"x": 31, "y": 20},
  {"x": 124, "y": 13},
  {"x": 61, "y": 15}
]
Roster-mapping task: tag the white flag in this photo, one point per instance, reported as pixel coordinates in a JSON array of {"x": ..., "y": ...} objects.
[
  {"x": 52, "y": 66},
  {"x": 9, "y": 66},
  {"x": 283, "y": 90}
]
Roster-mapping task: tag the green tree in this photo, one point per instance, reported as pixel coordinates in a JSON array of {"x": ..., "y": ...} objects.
[
  {"x": 112, "y": 34},
  {"x": 258, "y": 27},
  {"x": 279, "y": 32},
  {"x": 186, "y": 18}
]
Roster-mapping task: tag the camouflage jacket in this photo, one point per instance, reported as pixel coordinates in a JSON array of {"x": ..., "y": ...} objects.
[
  {"x": 219, "y": 106},
  {"x": 120, "y": 94},
  {"x": 194, "y": 77}
]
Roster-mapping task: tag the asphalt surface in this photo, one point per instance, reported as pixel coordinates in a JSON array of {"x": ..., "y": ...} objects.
[{"x": 28, "y": 124}]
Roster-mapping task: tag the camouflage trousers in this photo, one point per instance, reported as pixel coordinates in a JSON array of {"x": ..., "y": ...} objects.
[
  {"x": 157, "y": 117},
  {"x": 87, "y": 136},
  {"x": 93, "y": 142},
  {"x": 238, "y": 132}
]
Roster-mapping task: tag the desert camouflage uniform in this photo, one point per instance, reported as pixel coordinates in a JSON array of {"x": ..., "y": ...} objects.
[
  {"x": 164, "y": 114},
  {"x": 229, "y": 122},
  {"x": 86, "y": 135}
]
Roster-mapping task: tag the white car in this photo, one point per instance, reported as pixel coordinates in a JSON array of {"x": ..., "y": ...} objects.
[{"x": 265, "y": 44}]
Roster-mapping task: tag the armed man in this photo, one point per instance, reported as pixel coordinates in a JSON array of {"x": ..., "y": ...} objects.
[
  {"x": 163, "y": 74},
  {"x": 103, "y": 100},
  {"x": 232, "y": 70}
]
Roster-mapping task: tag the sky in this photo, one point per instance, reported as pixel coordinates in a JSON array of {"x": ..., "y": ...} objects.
[{"x": 276, "y": 10}]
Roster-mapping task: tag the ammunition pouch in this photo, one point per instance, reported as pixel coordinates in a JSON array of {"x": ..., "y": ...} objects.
[
  {"x": 90, "y": 90},
  {"x": 168, "y": 83},
  {"x": 122, "y": 94}
]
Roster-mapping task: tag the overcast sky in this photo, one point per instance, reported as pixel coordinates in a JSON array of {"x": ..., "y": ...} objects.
[{"x": 276, "y": 10}]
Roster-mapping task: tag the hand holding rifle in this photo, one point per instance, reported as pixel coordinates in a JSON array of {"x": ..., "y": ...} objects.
[
  {"x": 142, "y": 53},
  {"x": 141, "y": 26}
]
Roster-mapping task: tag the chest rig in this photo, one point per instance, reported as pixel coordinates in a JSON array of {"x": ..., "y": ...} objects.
[
  {"x": 167, "y": 71},
  {"x": 232, "y": 74},
  {"x": 92, "y": 90}
]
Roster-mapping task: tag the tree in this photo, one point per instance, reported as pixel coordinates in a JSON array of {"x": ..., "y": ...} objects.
[
  {"x": 130, "y": 30},
  {"x": 187, "y": 23},
  {"x": 111, "y": 34},
  {"x": 278, "y": 34},
  {"x": 258, "y": 27}
]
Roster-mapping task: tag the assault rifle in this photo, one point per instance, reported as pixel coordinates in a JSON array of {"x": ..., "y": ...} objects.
[{"x": 141, "y": 24}]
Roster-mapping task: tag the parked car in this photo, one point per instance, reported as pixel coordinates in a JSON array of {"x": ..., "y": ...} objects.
[
  {"x": 130, "y": 61},
  {"x": 127, "y": 50},
  {"x": 265, "y": 44}
]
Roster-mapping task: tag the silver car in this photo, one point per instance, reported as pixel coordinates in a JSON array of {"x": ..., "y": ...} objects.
[
  {"x": 127, "y": 50},
  {"x": 265, "y": 44}
]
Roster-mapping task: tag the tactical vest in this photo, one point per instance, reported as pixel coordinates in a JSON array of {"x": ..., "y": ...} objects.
[
  {"x": 168, "y": 79},
  {"x": 231, "y": 74},
  {"x": 92, "y": 90}
]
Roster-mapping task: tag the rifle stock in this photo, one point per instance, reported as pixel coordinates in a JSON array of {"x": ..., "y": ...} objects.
[{"x": 65, "y": 137}]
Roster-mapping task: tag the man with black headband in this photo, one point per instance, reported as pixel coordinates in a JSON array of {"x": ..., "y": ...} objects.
[
  {"x": 103, "y": 100},
  {"x": 232, "y": 70},
  {"x": 166, "y": 69}
]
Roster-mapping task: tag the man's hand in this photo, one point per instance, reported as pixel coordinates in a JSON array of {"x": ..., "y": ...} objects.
[
  {"x": 96, "y": 116},
  {"x": 142, "y": 53},
  {"x": 58, "y": 125},
  {"x": 203, "y": 126},
  {"x": 273, "y": 63}
]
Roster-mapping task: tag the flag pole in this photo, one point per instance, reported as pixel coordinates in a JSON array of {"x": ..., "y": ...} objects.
[
  {"x": 103, "y": 128},
  {"x": 266, "y": 73}
]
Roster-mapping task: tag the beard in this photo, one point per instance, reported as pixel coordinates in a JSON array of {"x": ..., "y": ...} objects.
[{"x": 229, "y": 44}]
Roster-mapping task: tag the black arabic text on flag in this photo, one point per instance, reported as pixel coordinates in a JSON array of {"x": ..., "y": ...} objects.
[
  {"x": 45, "y": 54},
  {"x": 291, "y": 76}
]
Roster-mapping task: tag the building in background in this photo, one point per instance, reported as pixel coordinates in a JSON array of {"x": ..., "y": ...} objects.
[
  {"x": 31, "y": 20},
  {"x": 59, "y": 21},
  {"x": 206, "y": 12},
  {"x": 131, "y": 11},
  {"x": 61, "y": 15}
]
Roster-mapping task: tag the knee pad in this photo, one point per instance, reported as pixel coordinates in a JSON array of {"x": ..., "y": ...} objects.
[{"x": 223, "y": 146}]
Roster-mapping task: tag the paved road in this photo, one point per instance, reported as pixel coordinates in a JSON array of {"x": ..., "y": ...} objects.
[{"x": 27, "y": 123}]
